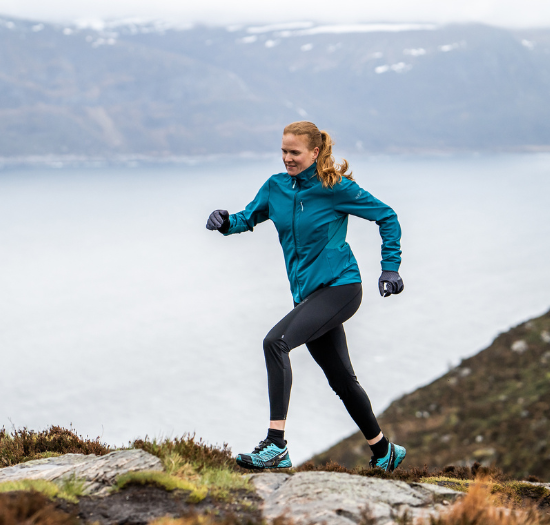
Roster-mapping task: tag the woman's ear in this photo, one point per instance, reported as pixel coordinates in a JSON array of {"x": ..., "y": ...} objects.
[{"x": 315, "y": 153}]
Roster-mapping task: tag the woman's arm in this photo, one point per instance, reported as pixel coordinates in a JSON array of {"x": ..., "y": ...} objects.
[
  {"x": 255, "y": 213},
  {"x": 350, "y": 198}
]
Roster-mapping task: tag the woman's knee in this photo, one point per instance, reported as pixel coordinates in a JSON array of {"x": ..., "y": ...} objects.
[{"x": 275, "y": 345}]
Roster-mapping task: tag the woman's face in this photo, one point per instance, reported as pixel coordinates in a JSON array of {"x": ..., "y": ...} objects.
[{"x": 296, "y": 153}]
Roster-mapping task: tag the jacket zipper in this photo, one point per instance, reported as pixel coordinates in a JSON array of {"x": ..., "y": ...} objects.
[{"x": 294, "y": 238}]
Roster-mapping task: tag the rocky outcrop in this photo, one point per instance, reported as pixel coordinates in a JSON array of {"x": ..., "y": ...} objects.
[
  {"x": 333, "y": 498},
  {"x": 97, "y": 472},
  {"x": 342, "y": 499}
]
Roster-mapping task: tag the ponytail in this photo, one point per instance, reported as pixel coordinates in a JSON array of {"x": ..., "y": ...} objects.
[{"x": 328, "y": 171}]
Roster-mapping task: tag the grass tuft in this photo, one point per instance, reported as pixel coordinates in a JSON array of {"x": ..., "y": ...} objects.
[
  {"x": 477, "y": 508},
  {"x": 24, "y": 445},
  {"x": 201, "y": 464},
  {"x": 162, "y": 480},
  {"x": 69, "y": 489},
  {"x": 191, "y": 450}
]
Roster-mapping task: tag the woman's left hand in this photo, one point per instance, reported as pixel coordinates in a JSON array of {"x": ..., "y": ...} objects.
[{"x": 390, "y": 283}]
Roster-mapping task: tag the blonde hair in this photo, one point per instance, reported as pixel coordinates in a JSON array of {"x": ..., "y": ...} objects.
[{"x": 328, "y": 171}]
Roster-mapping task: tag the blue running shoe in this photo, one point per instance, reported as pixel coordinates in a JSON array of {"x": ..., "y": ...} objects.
[
  {"x": 395, "y": 455},
  {"x": 265, "y": 455}
]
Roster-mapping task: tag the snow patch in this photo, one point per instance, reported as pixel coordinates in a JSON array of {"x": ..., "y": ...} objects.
[
  {"x": 365, "y": 28},
  {"x": 248, "y": 39},
  {"x": 279, "y": 27},
  {"x": 400, "y": 67},
  {"x": 415, "y": 52},
  {"x": 132, "y": 24},
  {"x": 449, "y": 47},
  {"x": 529, "y": 44},
  {"x": 37, "y": 27},
  {"x": 271, "y": 43},
  {"x": 68, "y": 31},
  {"x": 307, "y": 47}
]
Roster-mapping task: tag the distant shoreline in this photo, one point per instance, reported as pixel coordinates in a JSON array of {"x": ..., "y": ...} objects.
[{"x": 137, "y": 161}]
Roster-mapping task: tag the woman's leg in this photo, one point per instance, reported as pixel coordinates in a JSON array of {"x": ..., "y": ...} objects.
[
  {"x": 330, "y": 351},
  {"x": 318, "y": 314}
]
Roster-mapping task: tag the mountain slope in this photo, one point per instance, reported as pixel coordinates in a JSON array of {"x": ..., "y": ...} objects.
[
  {"x": 155, "y": 89},
  {"x": 493, "y": 408}
]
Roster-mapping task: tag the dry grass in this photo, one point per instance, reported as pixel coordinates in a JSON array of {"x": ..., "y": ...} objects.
[
  {"x": 480, "y": 507},
  {"x": 193, "y": 451},
  {"x": 32, "y": 508},
  {"x": 411, "y": 474},
  {"x": 23, "y": 445}
]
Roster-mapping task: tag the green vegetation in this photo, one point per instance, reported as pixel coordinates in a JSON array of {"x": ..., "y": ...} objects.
[
  {"x": 198, "y": 463},
  {"x": 164, "y": 481},
  {"x": 25, "y": 445},
  {"x": 493, "y": 408},
  {"x": 69, "y": 490}
]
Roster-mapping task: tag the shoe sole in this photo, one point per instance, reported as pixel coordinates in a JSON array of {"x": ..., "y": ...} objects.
[{"x": 251, "y": 466}]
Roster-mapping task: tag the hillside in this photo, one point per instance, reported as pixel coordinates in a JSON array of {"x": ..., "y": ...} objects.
[
  {"x": 493, "y": 408},
  {"x": 154, "y": 89}
]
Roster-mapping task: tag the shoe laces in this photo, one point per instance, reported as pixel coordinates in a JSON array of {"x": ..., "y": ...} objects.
[{"x": 263, "y": 444}]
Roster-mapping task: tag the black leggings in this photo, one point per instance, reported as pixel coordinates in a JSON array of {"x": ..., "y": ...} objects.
[{"x": 317, "y": 322}]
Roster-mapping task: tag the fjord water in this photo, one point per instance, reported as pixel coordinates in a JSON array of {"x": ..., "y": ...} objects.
[{"x": 122, "y": 315}]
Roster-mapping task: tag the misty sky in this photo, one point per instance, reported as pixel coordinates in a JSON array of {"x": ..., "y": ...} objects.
[{"x": 511, "y": 13}]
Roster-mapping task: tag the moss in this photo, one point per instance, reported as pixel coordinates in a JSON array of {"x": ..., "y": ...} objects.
[
  {"x": 162, "y": 480},
  {"x": 460, "y": 485},
  {"x": 69, "y": 490}
]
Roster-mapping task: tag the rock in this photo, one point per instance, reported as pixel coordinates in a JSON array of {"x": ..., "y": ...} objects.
[
  {"x": 97, "y": 472},
  {"x": 519, "y": 346},
  {"x": 337, "y": 498}
]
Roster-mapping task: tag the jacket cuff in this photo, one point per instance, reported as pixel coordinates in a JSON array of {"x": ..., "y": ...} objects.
[
  {"x": 390, "y": 267},
  {"x": 225, "y": 226}
]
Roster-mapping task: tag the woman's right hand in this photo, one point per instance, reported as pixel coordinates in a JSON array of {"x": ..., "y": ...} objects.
[{"x": 218, "y": 220}]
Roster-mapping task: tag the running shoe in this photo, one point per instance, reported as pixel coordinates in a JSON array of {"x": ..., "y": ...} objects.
[
  {"x": 265, "y": 455},
  {"x": 395, "y": 455}
]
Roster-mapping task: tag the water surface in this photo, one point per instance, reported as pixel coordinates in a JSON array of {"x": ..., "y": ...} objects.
[{"x": 121, "y": 314}]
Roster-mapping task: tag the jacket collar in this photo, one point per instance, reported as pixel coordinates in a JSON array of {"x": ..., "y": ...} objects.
[{"x": 306, "y": 177}]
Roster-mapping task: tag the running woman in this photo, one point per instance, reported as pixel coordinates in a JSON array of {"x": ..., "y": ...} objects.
[{"x": 309, "y": 205}]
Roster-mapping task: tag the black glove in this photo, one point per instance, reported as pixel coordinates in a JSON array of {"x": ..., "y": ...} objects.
[
  {"x": 218, "y": 220},
  {"x": 390, "y": 283}
]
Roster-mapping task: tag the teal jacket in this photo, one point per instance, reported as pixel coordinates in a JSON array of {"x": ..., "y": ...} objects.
[{"x": 312, "y": 224}]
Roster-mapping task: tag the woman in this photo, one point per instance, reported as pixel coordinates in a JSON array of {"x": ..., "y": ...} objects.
[{"x": 309, "y": 205}]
